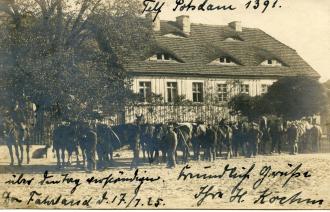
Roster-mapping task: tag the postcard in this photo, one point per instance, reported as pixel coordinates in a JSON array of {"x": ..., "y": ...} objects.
[{"x": 164, "y": 104}]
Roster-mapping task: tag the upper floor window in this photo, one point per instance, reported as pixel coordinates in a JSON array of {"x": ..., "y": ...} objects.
[
  {"x": 223, "y": 61},
  {"x": 163, "y": 57},
  {"x": 222, "y": 92},
  {"x": 172, "y": 91},
  {"x": 197, "y": 91},
  {"x": 271, "y": 62},
  {"x": 230, "y": 39},
  {"x": 145, "y": 90},
  {"x": 264, "y": 88},
  {"x": 245, "y": 89},
  {"x": 171, "y": 35}
]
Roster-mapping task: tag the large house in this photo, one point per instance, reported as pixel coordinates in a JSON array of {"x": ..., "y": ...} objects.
[{"x": 208, "y": 63}]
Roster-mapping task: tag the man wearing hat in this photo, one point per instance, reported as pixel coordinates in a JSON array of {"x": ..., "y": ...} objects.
[
  {"x": 91, "y": 139},
  {"x": 172, "y": 140},
  {"x": 292, "y": 133},
  {"x": 316, "y": 135},
  {"x": 254, "y": 138}
]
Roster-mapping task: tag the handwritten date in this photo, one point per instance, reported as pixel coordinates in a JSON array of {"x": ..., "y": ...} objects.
[{"x": 262, "y": 4}]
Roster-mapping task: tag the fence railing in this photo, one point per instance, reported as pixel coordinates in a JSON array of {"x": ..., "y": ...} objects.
[{"x": 187, "y": 113}]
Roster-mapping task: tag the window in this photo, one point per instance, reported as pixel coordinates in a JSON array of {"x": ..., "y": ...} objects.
[
  {"x": 271, "y": 62},
  {"x": 223, "y": 61},
  {"x": 197, "y": 90},
  {"x": 245, "y": 89},
  {"x": 161, "y": 57},
  {"x": 233, "y": 39},
  {"x": 172, "y": 91},
  {"x": 222, "y": 92},
  {"x": 264, "y": 89},
  {"x": 145, "y": 90},
  {"x": 166, "y": 57}
]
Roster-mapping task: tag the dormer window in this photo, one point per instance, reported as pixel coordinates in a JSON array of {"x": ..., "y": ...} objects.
[
  {"x": 171, "y": 35},
  {"x": 271, "y": 62},
  {"x": 223, "y": 60},
  {"x": 233, "y": 39},
  {"x": 162, "y": 57}
]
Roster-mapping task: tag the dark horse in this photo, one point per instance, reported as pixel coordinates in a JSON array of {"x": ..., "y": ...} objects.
[
  {"x": 64, "y": 140},
  {"x": 148, "y": 141},
  {"x": 159, "y": 142},
  {"x": 107, "y": 140},
  {"x": 16, "y": 135}
]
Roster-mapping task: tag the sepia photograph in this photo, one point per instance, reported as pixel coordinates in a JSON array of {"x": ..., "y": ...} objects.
[{"x": 165, "y": 104}]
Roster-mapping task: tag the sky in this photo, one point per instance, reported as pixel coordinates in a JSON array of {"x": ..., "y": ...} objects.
[{"x": 304, "y": 25}]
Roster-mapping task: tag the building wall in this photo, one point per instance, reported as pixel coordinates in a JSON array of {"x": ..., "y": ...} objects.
[{"x": 159, "y": 85}]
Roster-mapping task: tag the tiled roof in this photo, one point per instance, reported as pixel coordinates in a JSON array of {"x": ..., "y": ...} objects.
[{"x": 207, "y": 42}]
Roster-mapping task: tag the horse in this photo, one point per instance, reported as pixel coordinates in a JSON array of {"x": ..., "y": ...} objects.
[
  {"x": 104, "y": 148},
  {"x": 147, "y": 141},
  {"x": 88, "y": 144},
  {"x": 199, "y": 139},
  {"x": 184, "y": 134},
  {"x": 159, "y": 142},
  {"x": 64, "y": 140},
  {"x": 11, "y": 136},
  {"x": 16, "y": 135}
]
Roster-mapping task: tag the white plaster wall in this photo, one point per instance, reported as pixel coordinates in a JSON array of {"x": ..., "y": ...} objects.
[{"x": 159, "y": 84}]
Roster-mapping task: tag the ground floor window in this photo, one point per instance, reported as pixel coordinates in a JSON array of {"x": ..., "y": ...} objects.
[
  {"x": 197, "y": 91},
  {"x": 245, "y": 89},
  {"x": 144, "y": 90},
  {"x": 264, "y": 88},
  {"x": 172, "y": 91},
  {"x": 222, "y": 92}
]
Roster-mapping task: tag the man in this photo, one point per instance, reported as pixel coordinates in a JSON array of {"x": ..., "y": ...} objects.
[
  {"x": 292, "y": 133},
  {"x": 237, "y": 128},
  {"x": 211, "y": 143},
  {"x": 315, "y": 135},
  {"x": 91, "y": 139},
  {"x": 172, "y": 140},
  {"x": 226, "y": 136},
  {"x": 276, "y": 132},
  {"x": 135, "y": 136},
  {"x": 263, "y": 126},
  {"x": 254, "y": 138}
]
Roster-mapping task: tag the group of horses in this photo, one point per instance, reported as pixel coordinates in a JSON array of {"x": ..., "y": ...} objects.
[{"x": 90, "y": 140}]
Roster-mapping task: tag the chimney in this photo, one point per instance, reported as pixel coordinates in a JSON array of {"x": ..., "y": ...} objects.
[
  {"x": 236, "y": 25},
  {"x": 184, "y": 23},
  {"x": 155, "y": 21}
]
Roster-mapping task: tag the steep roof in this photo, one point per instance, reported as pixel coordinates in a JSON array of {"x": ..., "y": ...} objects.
[{"x": 207, "y": 42}]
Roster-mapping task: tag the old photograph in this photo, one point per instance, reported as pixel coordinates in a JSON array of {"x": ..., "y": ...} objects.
[{"x": 164, "y": 104}]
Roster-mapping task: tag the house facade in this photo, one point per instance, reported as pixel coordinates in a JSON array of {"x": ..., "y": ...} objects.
[{"x": 206, "y": 65}]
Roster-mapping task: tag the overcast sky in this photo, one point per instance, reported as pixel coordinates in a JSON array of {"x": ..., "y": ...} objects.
[{"x": 304, "y": 25}]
